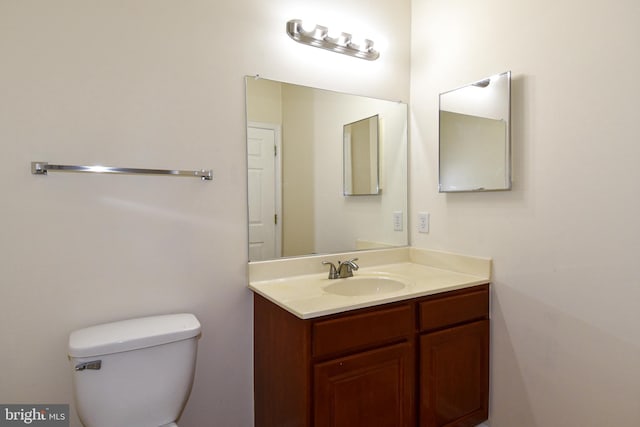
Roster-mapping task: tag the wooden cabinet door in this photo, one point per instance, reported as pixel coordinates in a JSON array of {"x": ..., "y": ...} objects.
[
  {"x": 374, "y": 389},
  {"x": 454, "y": 376}
]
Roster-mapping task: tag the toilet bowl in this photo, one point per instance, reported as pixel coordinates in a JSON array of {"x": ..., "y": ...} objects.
[{"x": 136, "y": 372}]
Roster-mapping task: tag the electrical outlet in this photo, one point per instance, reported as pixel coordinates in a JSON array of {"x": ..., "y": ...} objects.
[
  {"x": 423, "y": 222},
  {"x": 397, "y": 221}
]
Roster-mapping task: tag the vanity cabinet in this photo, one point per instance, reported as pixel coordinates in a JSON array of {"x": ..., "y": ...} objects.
[
  {"x": 454, "y": 359},
  {"x": 419, "y": 362}
]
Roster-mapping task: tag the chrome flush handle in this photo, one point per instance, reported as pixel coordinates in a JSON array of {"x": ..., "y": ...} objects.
[{"x": 94, "y": 364}]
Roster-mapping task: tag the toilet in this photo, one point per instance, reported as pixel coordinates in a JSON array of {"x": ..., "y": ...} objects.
[{"x": 136, "y": 372}]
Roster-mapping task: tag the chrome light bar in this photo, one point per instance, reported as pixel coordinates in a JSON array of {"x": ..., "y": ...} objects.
[{"x": 319, "y": 37}]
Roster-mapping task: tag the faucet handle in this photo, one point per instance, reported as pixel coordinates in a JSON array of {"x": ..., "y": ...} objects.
[
  {"x": 333, "y": 272},
  {"x": 352, "y": 261},
  {"x": 351, "y": 264},
  {"x": 345, "y": 269}
]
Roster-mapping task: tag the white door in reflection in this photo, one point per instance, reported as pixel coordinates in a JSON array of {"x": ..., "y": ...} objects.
[{"x": 263, "y": 190}]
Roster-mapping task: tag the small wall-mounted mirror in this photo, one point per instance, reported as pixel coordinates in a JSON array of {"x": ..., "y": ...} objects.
[
  {"x": 475, "y": 146},
  {"x": 360, "y": 157}
]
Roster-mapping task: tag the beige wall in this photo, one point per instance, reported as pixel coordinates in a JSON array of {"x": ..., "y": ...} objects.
[
  {"x": 264, "y": 103},
  {"x": 565, "y": 241},
  {"x": 148, "y": 84},
  {"x": 298, "y": 169},
  {"x": 473, "y": 152}
]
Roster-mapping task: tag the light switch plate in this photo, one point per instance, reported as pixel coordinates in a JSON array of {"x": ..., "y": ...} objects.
[
  {"x": 397, "y": 221},
  {"x": 423, "y": 222}
]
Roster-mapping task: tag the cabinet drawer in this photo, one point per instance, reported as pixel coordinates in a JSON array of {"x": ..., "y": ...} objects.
[
  {"x": 459, "y": 307},
  {"x": 361, "y": 330}
]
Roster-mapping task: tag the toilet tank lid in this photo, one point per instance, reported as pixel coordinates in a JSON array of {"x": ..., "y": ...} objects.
[{"x": 132, "y": 334}]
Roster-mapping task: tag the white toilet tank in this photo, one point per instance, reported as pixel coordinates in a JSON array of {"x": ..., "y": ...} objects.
[{"x": 134, "y": 373}]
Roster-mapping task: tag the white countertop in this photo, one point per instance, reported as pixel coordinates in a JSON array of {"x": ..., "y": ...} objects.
[{"x": 423, "y": 272}]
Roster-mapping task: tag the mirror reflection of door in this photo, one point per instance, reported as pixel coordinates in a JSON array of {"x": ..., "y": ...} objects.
[{"x": 264, "y": 189}]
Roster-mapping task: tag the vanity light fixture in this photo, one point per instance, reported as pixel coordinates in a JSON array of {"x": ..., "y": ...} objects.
[{"x": 319, "y": 37}]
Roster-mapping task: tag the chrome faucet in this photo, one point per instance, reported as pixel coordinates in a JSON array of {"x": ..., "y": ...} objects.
[{"x": 345, "y": 269}]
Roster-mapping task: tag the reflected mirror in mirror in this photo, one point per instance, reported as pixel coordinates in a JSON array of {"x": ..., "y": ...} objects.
[
  {"x": 295, "y": 150},
  {"x": 360, "y": 157},
  {"x": 475, "y": 146}
]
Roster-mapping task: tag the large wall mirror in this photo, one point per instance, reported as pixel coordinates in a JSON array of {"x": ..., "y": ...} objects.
[
  {"x": 296, "y": 171},
  {"x": 475, "y": 146}
]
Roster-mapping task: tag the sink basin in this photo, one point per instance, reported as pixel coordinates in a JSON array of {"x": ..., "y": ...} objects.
[{"x": 363, "y": 285}]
